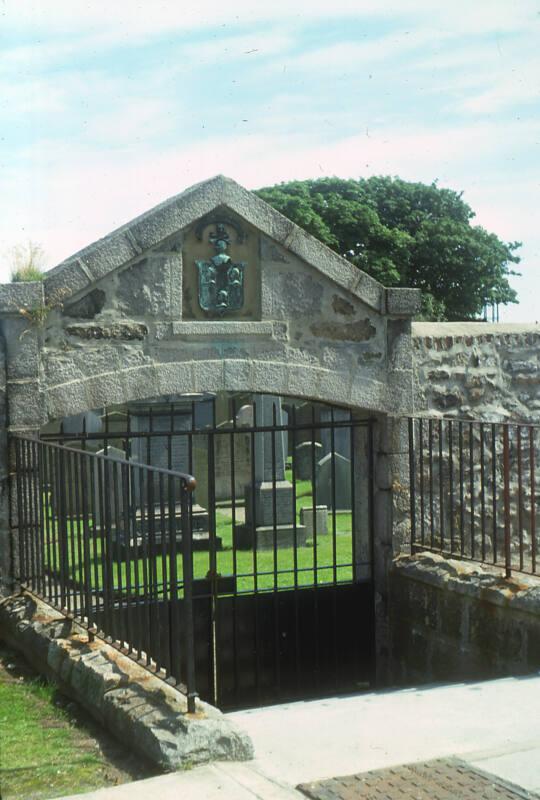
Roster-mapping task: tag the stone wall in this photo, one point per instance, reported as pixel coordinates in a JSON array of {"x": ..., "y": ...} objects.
[
  {"x": 477, "y": 370},
  {"x": 455, "y": 621},
  {"x": 471, "y": 371}
]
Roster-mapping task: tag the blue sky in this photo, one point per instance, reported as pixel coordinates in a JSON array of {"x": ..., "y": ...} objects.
[{"x": 107, "y": 108}]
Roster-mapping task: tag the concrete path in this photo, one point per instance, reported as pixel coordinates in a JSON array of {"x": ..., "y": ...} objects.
[{"x": 493, "y": 725}]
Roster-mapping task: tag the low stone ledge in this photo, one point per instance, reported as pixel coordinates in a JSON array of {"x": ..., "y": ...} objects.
[
  {"x": 453, "y": 621},
  {"x": 140, "y": 709},
  {"x": 519, "y": 592}
]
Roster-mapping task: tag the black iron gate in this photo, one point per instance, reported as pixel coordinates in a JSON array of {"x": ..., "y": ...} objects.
[{"x": 275, "y": 574}]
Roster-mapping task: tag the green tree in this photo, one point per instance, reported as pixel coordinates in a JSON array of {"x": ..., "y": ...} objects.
[{"x": 406, "y": 234}]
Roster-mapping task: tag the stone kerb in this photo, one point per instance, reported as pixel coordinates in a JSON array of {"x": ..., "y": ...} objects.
[{"x": 140, "y": 709}]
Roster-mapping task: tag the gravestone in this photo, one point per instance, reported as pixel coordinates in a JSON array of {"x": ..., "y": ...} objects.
[
  {"x": 306, "y": 454},
  {"x": 341, "y": 436},
  {"x": 321, "y": 520},
  {"x": 244, "y": 416},
  {"x": 108, "y": 496},
  {"x": 269, "y": 508},
  {"x": 341, "y": 489}
]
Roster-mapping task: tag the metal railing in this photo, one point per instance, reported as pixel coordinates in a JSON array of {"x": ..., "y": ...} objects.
[
  {"x": 109, "y": 542},
  {"x": 473, "y": 492}
]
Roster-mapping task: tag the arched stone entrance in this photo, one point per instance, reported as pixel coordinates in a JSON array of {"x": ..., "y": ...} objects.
[{"x": 213, "y": 291}]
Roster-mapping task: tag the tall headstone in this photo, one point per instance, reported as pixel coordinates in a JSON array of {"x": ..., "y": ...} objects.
[
  {"x": 306, "y": 454},
  {"x": 269, "y": 502},
  {"x": 334, "y": 482},
  {"x": 339, "y": 437}
]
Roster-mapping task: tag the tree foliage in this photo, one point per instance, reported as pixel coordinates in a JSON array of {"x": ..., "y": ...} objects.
[{"x": 406, "y": 234}]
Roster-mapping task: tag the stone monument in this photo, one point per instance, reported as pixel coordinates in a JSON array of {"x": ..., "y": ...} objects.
[{"x": 269, "y": 503}]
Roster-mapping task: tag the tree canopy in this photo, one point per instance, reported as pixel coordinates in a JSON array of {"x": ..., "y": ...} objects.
[{"x": 406, "y": 234}]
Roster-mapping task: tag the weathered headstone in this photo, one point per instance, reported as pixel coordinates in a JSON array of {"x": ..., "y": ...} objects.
[
  {"x": 244, "y": 416},
  {"x": 306, "y": 454},
  {"x": 269, "y": 507},
  {"x": 106, "y": 482},
  {"x": 340, "y": 489},
  {"x": 321, "y": 520},
  {"x": 339, "y": 437}
]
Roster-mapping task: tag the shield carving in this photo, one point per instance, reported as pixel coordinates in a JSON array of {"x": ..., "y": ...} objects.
[{"x": 221, "y": 281}]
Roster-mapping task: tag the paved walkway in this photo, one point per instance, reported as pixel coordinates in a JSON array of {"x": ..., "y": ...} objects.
[{"x": 493, "y": 725}]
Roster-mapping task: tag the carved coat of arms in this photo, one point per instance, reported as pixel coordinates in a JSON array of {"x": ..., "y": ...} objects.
[{"x": 221, "y": 281}]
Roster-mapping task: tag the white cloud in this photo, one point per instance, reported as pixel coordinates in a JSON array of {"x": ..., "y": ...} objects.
[{"x": 125, "y": 19}]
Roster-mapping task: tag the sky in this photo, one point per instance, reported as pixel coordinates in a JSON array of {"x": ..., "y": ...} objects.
[{"x": 108, "y": 108}]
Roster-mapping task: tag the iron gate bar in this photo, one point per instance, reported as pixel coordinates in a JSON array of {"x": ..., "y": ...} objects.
[
  {"x": 486, "y": 509},
  {"x": 54, "y": 509},
  {"x": 533, "y": 497},
  {"x": 265, "y": 587},
  {"x": 493, "y": 484}
]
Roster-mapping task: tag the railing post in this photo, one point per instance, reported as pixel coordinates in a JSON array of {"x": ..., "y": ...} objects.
[
  {"x": 187, "y": 564},
  {"x": 412, "y": 483},
  {"x": 506, "y": 490}
]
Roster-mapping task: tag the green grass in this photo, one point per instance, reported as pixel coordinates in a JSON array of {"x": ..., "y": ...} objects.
[
  {"x": 308, "y": 565},
  {"x": 44, "y": 751}
]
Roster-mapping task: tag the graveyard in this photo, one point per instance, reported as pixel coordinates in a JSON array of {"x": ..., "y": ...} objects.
[{"x": 227, "y": 497}]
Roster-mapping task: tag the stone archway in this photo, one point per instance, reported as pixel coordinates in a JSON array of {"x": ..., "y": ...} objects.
[{"x": 123, "y": 319}]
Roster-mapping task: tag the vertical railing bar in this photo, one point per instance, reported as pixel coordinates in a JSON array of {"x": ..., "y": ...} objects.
[
  {"x": 29, "y": 514},
  {"x": 315, "y": 560},
  {"x": 422, "y": 494},
  {"x": 275, "y": 599},
  {"x": 441, "y": 484},
  {"x": 314, "y": 501},
  {"x": 295, "y": 551},
  {"x": 152, "y": 577},
  {"x": 353, "y": 434},
  {"x": 255, "y": 560},
  {"x": 94, "y": 466},
  {"x": 431, "y": 486},
  {"x": 86, "y": 541},
  {"x": 109, "y": 548},
  {"x": 70, "y": 528},
  {"x": 118, "y": 631},
  {"x": 506, "y": 484},
  {"x": 164, "y": 618},
  {"x": 232, "y": 452},
  {"x": 103, "y": 584},
  {"x": 472, "y": 489},
  {"x": 412, "y": 483},
  {"x": 79, "y": 489},
  {"x": 19, "y": 482},
  {"x": 145, "y": 476},
  {"x": 493, "y": 487},
  {"x": 532, "y": 470},
  {"x": 187, "y": 568},
  {"x": 483, "y": 488},
  {"x": 520, "y": 495},
  {"x": 461, "y": 491},
  {"x": 64, "y": 601},
  {"x": 334, "y": 548},
  {"x": 39, "y": 521},
  {"x": 451, "y": 485},
  {"x": 334, "y": 521},
  {"x": 49, "y": 520},
  {"x": 136, "y": 527}
]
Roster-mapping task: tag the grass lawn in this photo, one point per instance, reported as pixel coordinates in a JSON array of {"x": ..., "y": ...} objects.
[
  {"x": 329, "y": 558},
  {"x": 47, "y": 747}
]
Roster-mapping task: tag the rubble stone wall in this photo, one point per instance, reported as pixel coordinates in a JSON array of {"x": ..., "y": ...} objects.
[{"x": 477, "y": 370}]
